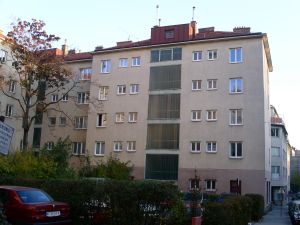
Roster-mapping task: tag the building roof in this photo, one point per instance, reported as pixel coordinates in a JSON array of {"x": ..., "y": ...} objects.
[{"x": 78, "y": 56}]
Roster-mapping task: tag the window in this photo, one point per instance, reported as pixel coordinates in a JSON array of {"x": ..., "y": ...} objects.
[
  {"x": 123, "y": 62},
  {"x": 235, "y": 55},
  {"x": 3, "y": 56},
  {"x": 196, "y": 85},
  {"x": 65, "y": 97},
  {"x": 85, "y": 73},
  {"x": 196, "y": 115},
  {"x": 165, "y": 77},
  {"x": 236, "y": 150},
  {"x": 52, "y": 121},
  {"x": 121, "y": 89},
  {"x": 78, "y": 148},
  {"x": 211, "y": 146},
  {"x": 275, "y": 172},
  {"x": 99, "y": 148},
  {"x": 211, "y": 115},
  {"x": 275, "y": 151},
  {"x": 134, "y": 89},
  {"x": 50, "y": 145},
  {"x": 12, "y": 86},
  {"x": 131, "y": 146},
  {"x": 9, "y": 110},
  {"x": 212, "y": 54},
  {"x": 163, "y": 136},
  {"x": 194, "y": 184},
  {"x": 211, "y": 84},
  {"x": 166, "y": 54},
  {"x": 195, "y": 146},
  {"x": 54, "y": 97},
  {"x": 169, "y": 34},
  {"x": 62, "y": 121},
  {"x": 197, "y": 55},
  {"x": 236, "y": 85},
  {"x": 274, "y": 132},
  {"x": 119, "y": 117},
  {"x": 132, "y": 117},
  {"x": 81, "y": 122},
  {"x": 105, "y": 66},
  {"x": 210, "y": 185},
  {"x": 136, "y": 61},
  {"x": 101, "y": 120},
  {"x": 117, "y": 146},
  {"x": 103, "y": 93},
  {"x": 236, "y": 117},
  {"x": 82, "y": 97}
]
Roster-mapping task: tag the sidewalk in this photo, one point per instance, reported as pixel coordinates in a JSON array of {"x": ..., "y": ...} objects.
[{"x": 277, "y": 216}]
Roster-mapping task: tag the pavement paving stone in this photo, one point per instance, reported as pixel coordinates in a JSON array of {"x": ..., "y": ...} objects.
[{"x": 277, "y": 216}]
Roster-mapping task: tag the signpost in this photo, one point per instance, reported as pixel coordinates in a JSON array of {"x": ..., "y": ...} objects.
[{"x": 6, "y": 133}]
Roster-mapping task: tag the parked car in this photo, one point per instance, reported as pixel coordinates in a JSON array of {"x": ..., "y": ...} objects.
[
  {"x": 26, "y": 205},
  {"x": 294, "y": 211}
]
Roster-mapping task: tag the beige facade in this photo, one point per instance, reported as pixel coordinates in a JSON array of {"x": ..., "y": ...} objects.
[{"x": 184, "y": 102}]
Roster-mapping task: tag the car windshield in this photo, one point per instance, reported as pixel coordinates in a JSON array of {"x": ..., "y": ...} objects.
[{"x": 34, "y": 196}]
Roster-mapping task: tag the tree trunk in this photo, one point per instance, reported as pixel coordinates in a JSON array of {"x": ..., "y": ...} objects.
[{"x": 25, "y": 138}]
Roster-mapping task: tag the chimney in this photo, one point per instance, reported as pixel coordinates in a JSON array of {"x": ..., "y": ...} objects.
[
  {"x": 64, "y": 48},
  {"x": 98, "y": 48},
  {"x": 194, "y": 28},
  {"x": 243, "y": 30}
]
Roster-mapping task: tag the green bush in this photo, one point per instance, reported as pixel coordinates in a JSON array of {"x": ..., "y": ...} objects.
[{"x": 257, "y": 206}]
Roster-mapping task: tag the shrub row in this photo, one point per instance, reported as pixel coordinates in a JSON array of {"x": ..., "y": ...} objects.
[
  {"x": 122, "y": 202},
  {"x": 234, "y": 210}
]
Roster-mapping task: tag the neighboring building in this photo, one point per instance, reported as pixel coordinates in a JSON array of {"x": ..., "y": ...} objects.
[
  {"x": 185, "y": 100},
  {"x": 9, "y": 108},
  {"x": 280, "y": 161}
]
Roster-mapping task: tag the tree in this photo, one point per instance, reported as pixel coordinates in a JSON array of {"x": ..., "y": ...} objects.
[
  {"x": 37, "y": 71},
  {"x": 295, "y": 182}
]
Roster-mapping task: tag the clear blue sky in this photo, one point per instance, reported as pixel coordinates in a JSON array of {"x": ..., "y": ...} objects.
[{"x": 86, "y": 24}]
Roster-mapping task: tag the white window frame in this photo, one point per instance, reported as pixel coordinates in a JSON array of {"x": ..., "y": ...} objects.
[
  {"x": 103, "y": 93},
  {"x": 103, "y": 120},
  {"x": 194, "y": 184},
  {"x": 132, "y": 117},
  {"x": 78, "y": 148},
  {"x": 134, "y": 89},
  {"x": 196, "y": 85},
  {"x": 123, "y": 62},
  {"x": 61, "y": 119},
  {"x": 80, "y": 122},
  {"x": 12, "y": 86},
  {"x": 211, "y": 115},
  {"x": 3, "y": 56},
  {"x": 236, "y": 85},
  {"x": 136, "y": 61},
  {"x": 275, "y": 172},
  {"x": 118, "y": 146},
  {"x": 276, "y": 132},
  {"x": 211, "y": 147},
  {"x": 196, "y": 115},
  {"x": 105, "y": 66},
  {"x": 236, "y": 117},
  {"x": 120, "y": 117},
  {"x": 197, "y": 56},
  {"x": 212, "y": 54},
  {"x": 235, "y": 145},
  {"x": 99, "y": 148},
  {"x": 85, "y": 73},
  {"x": 54, "y": 97},
  {"x": 82, "y": 97},
  {"x": 51, "y": 121},
  {"x": 50, "y": 145},
  {"x": 275, "y": 151},
  {"x": 131, "y": 146},
  {"x": 210, "y": 185},
  {"x": 65, "y": 97},
  {"x": 195, "y": 146},
  {"x": 236, "y": 55},
  {"x": 212, "y": 84},
  {"x": 9, "y": 110},
  {"x": 121, "y": 89}
]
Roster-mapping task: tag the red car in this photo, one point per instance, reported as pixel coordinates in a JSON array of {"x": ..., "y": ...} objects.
[{"x": 25, "y": 205}]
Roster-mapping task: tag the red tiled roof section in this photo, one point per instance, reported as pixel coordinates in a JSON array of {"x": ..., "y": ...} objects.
[{"x": 78, "y": 56}]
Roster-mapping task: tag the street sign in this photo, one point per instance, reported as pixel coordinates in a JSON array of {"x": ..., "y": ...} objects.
[{"x": 6, "y": 133}]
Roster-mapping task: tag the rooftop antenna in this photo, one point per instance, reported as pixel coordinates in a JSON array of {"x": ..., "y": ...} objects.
[
  {"x": 193, "y": 13},
  {"x": 157, "y": 20}
]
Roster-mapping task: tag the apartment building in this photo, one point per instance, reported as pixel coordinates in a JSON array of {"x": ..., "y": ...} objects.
[
  {"x": 185, "y": 103},
  {"x": 280, "y": 160}
]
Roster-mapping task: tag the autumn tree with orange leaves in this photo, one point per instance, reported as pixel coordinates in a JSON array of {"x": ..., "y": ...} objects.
[{"x": 36, "y": 70}]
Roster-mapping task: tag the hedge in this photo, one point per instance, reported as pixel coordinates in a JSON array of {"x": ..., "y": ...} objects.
[{"x": 257, "y": 207}]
